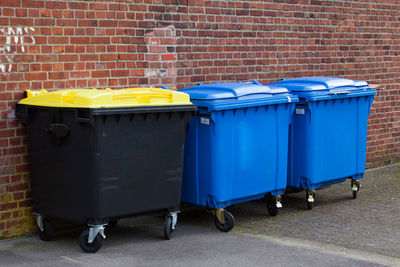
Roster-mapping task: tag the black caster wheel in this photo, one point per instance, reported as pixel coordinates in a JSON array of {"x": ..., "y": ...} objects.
[
  {"x": 229, "y": 222},
  {"x": 310, "y": 205},
  {"x": 90, "y": 248},
  {"x": 271, "y": 206},
  {"x": 112, "y": 223},
  {"x": 168, "y": 228},
  {"x": 47, "y": 233},
  {"x": 355, "y": 194}
]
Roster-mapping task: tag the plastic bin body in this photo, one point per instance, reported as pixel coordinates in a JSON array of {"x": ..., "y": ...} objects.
[
  {"x": 328, "y": 136},
  {"x": 113, "y": 163},
  {"x": 236, "y": 148}
]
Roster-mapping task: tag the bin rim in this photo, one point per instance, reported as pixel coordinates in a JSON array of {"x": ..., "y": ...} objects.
[
  {"x": 238, "y": 90},
  {"x": 107, "y": 98},
  {"x": 215, "y": 105},
  {"x": 325, "y": 88}
]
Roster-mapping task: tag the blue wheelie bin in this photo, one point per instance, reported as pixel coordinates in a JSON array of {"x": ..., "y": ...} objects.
[
  {"x": 236, "y": 147},
  {"x": 328, "y": 136}
]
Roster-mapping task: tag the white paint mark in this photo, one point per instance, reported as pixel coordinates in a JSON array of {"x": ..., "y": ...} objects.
[
  {"x": 165, "y": 39},
  {"x": 14, "y": 37}
]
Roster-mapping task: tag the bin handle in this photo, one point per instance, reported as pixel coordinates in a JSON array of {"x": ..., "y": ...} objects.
[
  {"x": 338, "y": 93},
  {"x": 57, "y": 130},
  {"x": 135, "y": 91},
  {"x": 143, "y": 98}
]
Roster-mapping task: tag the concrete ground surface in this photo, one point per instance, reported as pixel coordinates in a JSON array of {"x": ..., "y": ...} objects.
[{"x": 338, "y": 231}]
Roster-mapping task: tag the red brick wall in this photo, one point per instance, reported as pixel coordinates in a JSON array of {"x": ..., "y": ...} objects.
[{"x": 121, "y": 43}]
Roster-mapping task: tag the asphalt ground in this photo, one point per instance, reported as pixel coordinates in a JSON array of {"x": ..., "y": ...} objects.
[{"x": 338, "y": 231}]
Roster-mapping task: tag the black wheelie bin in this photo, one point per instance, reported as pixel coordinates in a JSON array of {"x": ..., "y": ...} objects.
[{"x": 100, "y": 155}]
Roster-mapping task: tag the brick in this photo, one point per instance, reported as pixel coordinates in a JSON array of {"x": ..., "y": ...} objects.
[
  {"x": 58, "y": 40},
  {"x": 45, "y": 22},
  {"x": 80, "y": 40},
  {"x": 107, "y": 23},
  {"x": 98, "y": 6},
  {"x": 146, "y": 24},
  {"x": 8, "y": 206},
  {"x": 10, "y": 3},
  {"x": 89, "y": 57},
  {"x": 80, "y": 74},
  {"x": 46, "y": 58},
  {"x": 5, "y": 216},
  {"x": 18, "y": 195},
  {"x": 69, "y": 66},
  {"x": 78, "y": 5},
  {"x": 23, "y": 58},
  {"x": 128, "y": 57},
  {"x": 71, "y": 57},
  {"x": 58, "y": 75},
  {"x": 168, "y": 57},
  {"x": 56, "y": 5},
  {"x": 108, "y": 57},
  {"x": 119, "y": 73},
  {"x": 100, "y": 73},
  {"x": 47, "y": 67},
  {"x": 36, "y": 76},
  {"x": 21, "y": 22},
  {"x": 8, "y": 12},
  {"x": 21, "y": 12},
  {"x": 100, "y": 40},
  {"x": 33, "y": 4}
]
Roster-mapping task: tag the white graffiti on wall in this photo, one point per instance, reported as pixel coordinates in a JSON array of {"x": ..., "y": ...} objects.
[{"x": 14, "y": 41}]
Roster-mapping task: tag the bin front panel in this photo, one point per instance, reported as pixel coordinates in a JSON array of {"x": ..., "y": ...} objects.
[
  {"x": 236, "y": 155},
  {"x": 140, "y": 162},
  {"x": 328, "y": 141}
]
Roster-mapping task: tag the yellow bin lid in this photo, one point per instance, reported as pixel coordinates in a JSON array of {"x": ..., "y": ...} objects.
[{"x": 93, "y": 98}]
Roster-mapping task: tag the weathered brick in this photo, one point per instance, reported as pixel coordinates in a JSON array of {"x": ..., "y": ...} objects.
[
  {"x": 100, "y": 73},
  {"x": 46, "y": 58},
  {"x": 10, "y": 3},
  {"x": 119, "y": 73},
  {"x": 58, "y": 75},
  {"x": 56, "y": 4}
]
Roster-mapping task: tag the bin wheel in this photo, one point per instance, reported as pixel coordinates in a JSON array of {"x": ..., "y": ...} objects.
[
  {"x": 271, "y": 206},
  {"x": 355, "y": 186},
  {"x": 168, "y": 228},
  {"x": 229, "y": 222},
  {"x": 112, "y": 223},
  {"x": 47, "y": 233},
  {"x": 90, "y": 248},
  {"x": 310, "y": 198}
]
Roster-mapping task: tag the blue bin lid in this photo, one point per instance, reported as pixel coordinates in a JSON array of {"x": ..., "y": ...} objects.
[
  {"x": 218, "y": 96},
  {"x": 319, "y": 88}
]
